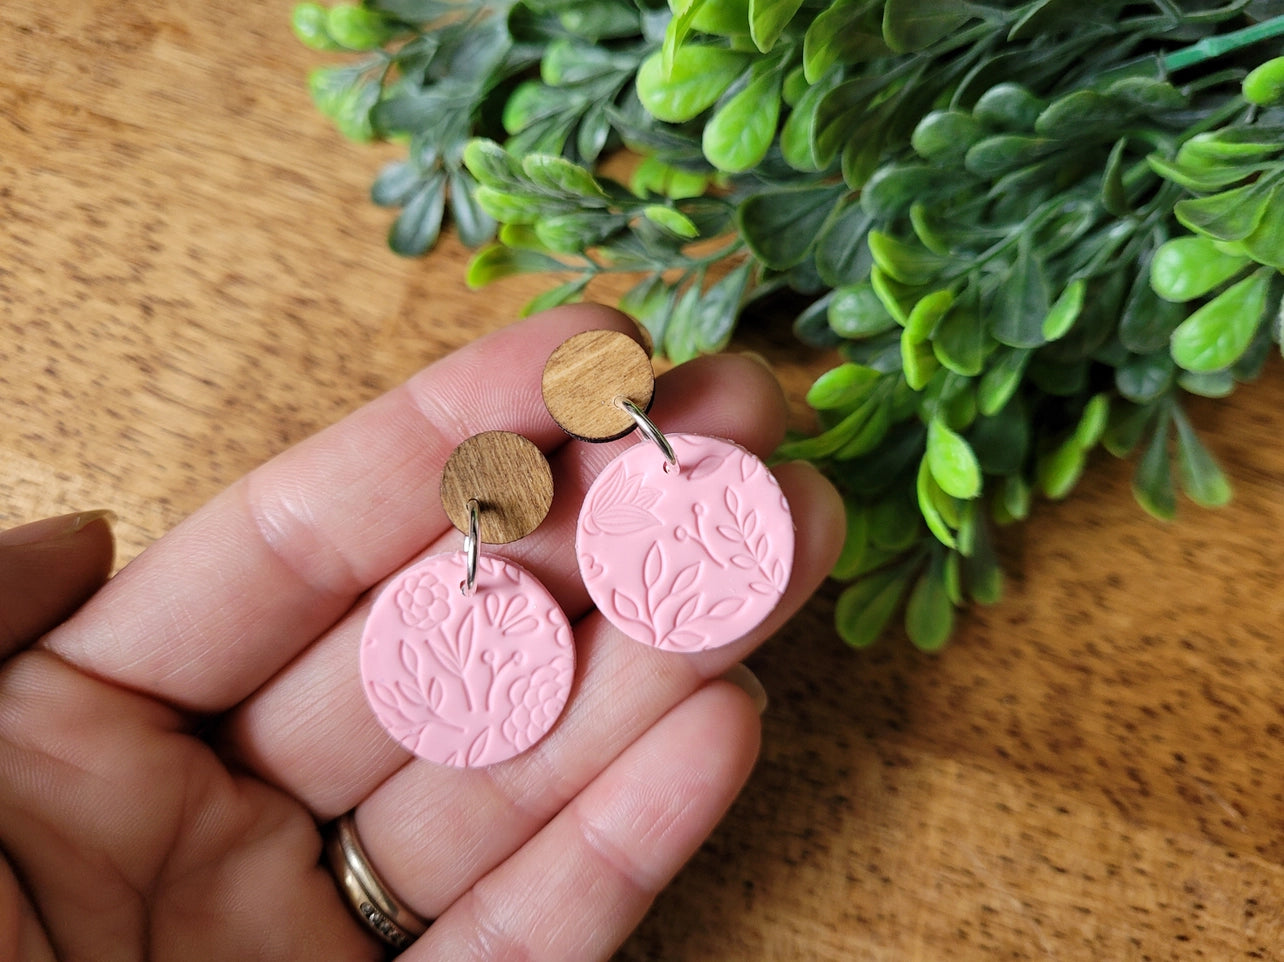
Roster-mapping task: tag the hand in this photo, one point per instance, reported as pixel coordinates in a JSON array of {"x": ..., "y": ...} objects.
[{"x": 168, "y": 752}]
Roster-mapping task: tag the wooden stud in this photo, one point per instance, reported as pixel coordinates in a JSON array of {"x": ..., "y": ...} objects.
[
  {"x": 510, "y": 478},
  {"x": 586, "y": 374}
]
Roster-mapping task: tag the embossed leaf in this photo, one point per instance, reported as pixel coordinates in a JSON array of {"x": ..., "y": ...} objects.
[
  {"x": 729, "y": 532},
  {"x": 686, "y": 640},
  {"x": 384, "y": 695},
  {"x": 760, "y": 547},
  {"x": 749, "y": 467},
  {"x": 522, "y": 626},
  {"x": 743, "y": 561},
  {"x": 626, "y": 606},
  {"x": 762, "y": 588},
  {"x": 751, "y": 523},
  {"x": 409, "y": 657},
  {"x": 685, "y": 578},
  {"x": 705, "y": 467},
  {"x": 652, "y": 566},
  {"x": 436, "y": 694},
  {"x": 687, "y": 611},
  {"x": 726, "y": 608},
  {"x": 409, "y": 693},
  {"x": 492, "y": 608},
  {"x": 624, "y": 519},
  {"x": 732, "y": 501},
  {"x": 477, "y": 748},
  {"x": 778, "y": 573}
]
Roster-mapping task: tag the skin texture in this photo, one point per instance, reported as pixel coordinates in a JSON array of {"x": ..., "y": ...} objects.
[{"x": 168, "y": 751}]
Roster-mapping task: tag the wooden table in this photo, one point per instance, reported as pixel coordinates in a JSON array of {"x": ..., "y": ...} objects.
[{"x": 191, "y": 279}]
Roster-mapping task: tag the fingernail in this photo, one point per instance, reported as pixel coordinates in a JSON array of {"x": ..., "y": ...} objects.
[
  {"x": 755, "y": 356},
  {"x": 744, "y": 679},
  {"x": 52, "y": 529}
]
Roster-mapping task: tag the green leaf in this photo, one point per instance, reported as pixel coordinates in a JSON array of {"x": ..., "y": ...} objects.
[
  {"x": 1084, "y": 115},
  {"x": 700, "y": 75},
  {"x": 843, "y": 386},
  {"x": 555, "y": 297},
  {"x": 908, "y": 263},
  {"x": 474, "y": 226},
  {"x": 1230, "y": 146},
  {"x": 868, "y": 436},
  {"x": 780, "y": 226},
  {"x": 918, "y": 362},
  {"x": 842, "y": 254},
  {"x": 1266, "y": 244},
  {"x": 1092, "y": 424},
  {"x": 497, "y": 261},
  {"x": 926, "y": 314},
  {"x": 929, "y": 613},
  {"x": 836, "y": 36},
  {"x": 894, "y": 522},
  {"x": 864, "y": 608},
  {"x": 1008, "y": 107},
  {"x": 1144, "y": 378},
  {"x": 961, "y": 342},
  {"x": 1001, "y": 380},
  {"x": 856, "y": 312},
  {"x": 910, "y": 25},
  {"x": 768, "y": 19},
  {"x": 798, "y": 136},
  {"x": 952, "y": 461},
  {"x": 1264, "y": 86},
  {"x": 891, "y": 191},
  {"x": 1213, "y": 384},
  {"x": 1217, "y": 334},
  {"x": 1065, "y": 311},
  {"x": 1060, "y": 470},
  {"x": 854, "y": 544},
  {"x": 574, "y": 232},
  {"x": 1114, "y": 192},
  {"x": 1201, "y": 179},
  {"x": 355, "y": 27},
  {"x": 1003, "y": 153},
  {"x": 1022, "y": 302},
  {"x": 560, "y": 176},
  {"x": 1231, "y": 215},
  {"x": 492, "y": 165},
  {"x": 725, "y": 18},
  {"x": 650, "y": 303},
  {"x": 1201, "y": 477},
  {"x": 308, "y": 20},
  {"x": 671, "y": 220},
  {"x": 417, "y": 226},
  {"x": 929, "y": 493},
  {"x": 1147, "y": 321},
  {"x": 1189, "y": 267},
  {"x": 741, "y": 130},
  {"x": 945, "y": 136},
  {"x": 394, "y": 184},
  {"x": 1152, "y": 485}
]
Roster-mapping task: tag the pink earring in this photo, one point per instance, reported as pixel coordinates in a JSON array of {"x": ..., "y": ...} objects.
[
  {"x": 685, "y": 542},
  {"x": 466, "y": 659}
]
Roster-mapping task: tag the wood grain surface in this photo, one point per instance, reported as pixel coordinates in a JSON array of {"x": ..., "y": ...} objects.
[{"x": 192, "y": 278}]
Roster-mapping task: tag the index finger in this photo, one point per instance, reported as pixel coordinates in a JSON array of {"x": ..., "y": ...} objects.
[{"x": 225, "y": 600}]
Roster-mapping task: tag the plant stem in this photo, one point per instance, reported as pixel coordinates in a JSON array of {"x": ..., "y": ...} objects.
[{"x": 1211, "y": 47}]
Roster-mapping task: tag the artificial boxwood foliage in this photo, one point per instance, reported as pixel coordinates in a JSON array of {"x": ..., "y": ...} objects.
[{"x": 1029, "y": 228}]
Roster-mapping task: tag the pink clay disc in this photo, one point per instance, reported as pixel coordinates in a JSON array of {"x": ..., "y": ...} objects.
[
  {"x": 686, "y": 558},
  {"x": 466, "y": 681}
]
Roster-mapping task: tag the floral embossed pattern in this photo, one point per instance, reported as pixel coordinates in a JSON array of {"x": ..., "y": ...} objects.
[
  {"x": 690, "y": 559},
  {"x": 466, "y": 681}
]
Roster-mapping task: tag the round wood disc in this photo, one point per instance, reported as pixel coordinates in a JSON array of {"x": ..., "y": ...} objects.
[
  {"x": 586, "y": 374},
  {"x": 510, "y": 478}
]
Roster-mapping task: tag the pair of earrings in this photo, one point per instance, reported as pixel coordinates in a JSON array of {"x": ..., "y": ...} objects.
[{"x": 684, "y": 542}]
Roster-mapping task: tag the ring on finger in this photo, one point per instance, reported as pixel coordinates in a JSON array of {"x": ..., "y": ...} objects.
[{"x": 370, "y": 898}]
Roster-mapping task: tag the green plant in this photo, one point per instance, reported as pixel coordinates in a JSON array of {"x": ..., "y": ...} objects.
[{"x": 1030, "y": 228}]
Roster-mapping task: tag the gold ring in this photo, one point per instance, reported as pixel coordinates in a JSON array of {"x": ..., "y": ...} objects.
[{"x": 381, "y": 911}]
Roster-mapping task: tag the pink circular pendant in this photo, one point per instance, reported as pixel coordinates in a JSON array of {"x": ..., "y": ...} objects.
[
  {"x": 466, "y": 681},
  {"x": 690, "y": 558}
]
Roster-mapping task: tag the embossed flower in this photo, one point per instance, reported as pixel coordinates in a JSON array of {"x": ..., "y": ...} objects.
[
  {"x": 538, "y": 698},
  {"x": 422, "y": 601}
]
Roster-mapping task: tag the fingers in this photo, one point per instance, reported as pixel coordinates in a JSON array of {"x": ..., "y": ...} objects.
[
  {"x": 311, "y": 731},
  {"x": 47, "y": 570},
  {"x": 580, "y": 885},
  {"x": 220, "y": 604},
  {"x": 432, "y": 832}
]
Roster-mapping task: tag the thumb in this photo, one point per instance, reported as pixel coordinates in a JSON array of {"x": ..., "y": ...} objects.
[{"x": 47, "y": 570}]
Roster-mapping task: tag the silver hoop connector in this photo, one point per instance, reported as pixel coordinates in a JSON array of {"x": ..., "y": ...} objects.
[
  {"x": 472, "y": 548},
  {"x": 648, "y": 429}
]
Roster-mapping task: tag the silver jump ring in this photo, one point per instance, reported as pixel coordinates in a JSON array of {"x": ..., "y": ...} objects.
[
  {"x": 472, "y": 547},
  {"x": 648, "y": 429}
]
